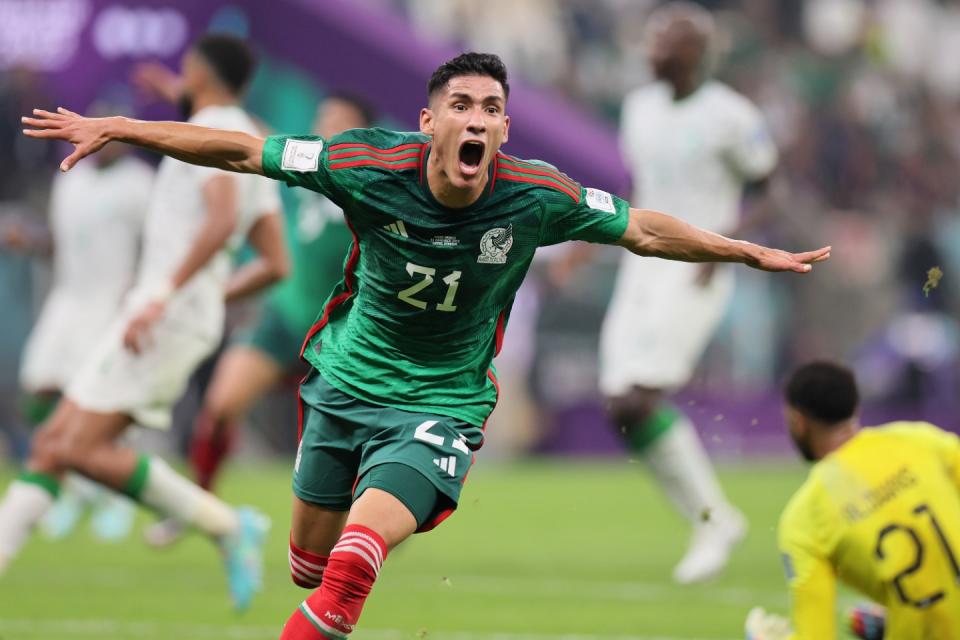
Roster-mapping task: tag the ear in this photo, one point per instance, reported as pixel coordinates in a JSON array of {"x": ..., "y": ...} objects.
[
  {"x": 426, "y": 121},
  {"x": 506, "y": 129}
]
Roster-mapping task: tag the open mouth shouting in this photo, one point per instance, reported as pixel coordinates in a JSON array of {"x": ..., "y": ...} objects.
[{"x": 471, "y": 155}]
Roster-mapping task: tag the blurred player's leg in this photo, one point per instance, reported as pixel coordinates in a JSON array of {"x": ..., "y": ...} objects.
[
  {"x": 655, "y": 332},
  {"x": 241, "y": 377},
  {"x": 665, "y": 439},
  {"x": 85, "y": 441}
]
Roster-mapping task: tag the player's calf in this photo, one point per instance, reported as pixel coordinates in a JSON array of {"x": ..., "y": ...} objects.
[
  {"x": 333, "y": 609},
  {"x": 306, "y": 568}
]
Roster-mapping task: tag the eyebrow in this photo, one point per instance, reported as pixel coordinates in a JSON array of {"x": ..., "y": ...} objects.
[{"x": 466, "y": 96}]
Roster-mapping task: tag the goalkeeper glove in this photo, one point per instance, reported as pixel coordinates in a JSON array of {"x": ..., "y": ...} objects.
[
  {"x": 867, "y": 621},
  {"x": 761, "y": 625}
]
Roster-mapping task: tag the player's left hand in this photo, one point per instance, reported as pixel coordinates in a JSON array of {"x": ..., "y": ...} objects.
[
  {"x": 767, "y": 259},
  {"x": 137, "y": 336},
  {"x": 761, "y": 625},
  {"x": 87, "y": 135}
]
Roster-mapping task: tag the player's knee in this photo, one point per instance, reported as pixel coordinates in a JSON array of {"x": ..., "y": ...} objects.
[
  {"x": 46, "y": 453},
  {"x": 306, "y": 568},
  {"x": 633, "y": 409}
]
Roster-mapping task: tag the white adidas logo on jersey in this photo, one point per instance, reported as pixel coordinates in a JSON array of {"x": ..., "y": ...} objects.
[
  {"x": 398, "y": 228},
  {"x": 447, "y": 464}
]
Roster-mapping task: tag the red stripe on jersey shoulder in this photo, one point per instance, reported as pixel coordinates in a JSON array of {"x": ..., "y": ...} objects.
[
  {"x": 541, "y": 181},
  {"x": 381, "y": 150},
  {"x": 369, "y": 162},
  {"x": 353, "y": 153},
  {"x": 540, "y": 170},
  {"x": 348, "y": 277}
]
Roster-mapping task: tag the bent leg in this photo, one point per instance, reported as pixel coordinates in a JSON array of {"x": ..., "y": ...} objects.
[
  {"x": 378, "y": 522},
  {"x": 242, "y": 376}
]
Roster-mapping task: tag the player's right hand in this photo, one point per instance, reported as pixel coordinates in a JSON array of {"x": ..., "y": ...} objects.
[
  {"x": 761, "y": 625},
  {"x": 158, "y": 81},
  {"x": 87, "y": 135}
]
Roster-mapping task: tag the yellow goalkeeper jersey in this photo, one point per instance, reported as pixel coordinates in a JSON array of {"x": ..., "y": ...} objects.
[{"x": 881, "y": 514}]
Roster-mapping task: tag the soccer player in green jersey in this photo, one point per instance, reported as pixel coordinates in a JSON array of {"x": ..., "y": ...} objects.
[{"x": 445, "y": 226}]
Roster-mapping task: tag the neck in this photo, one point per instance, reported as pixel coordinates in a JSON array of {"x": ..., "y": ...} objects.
[
  {"x": 445, "y": 192},
  {"x": 834, "y": 437},
  {"x": 684, "y": 86},
  {"x": 213, "y": 97}
]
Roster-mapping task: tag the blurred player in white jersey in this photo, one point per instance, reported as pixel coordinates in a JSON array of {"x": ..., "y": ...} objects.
[
  {"x": 96, "y": 217},
  {"x": 171, "y": 321},
  {"x": 692, "y": 145}
]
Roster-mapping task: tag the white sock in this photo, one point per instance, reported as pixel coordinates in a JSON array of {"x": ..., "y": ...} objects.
[
  {"x": 21, "y": 509},
  {"x": 681, "y": 466},
  {"x": 84, "y": 490},
  {"x": 169, "y": 493}
]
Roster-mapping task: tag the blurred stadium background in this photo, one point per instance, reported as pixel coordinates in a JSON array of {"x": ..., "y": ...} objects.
[{"x": 863, "y": 98}]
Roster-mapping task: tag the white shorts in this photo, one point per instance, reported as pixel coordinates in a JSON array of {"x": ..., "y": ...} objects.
[
  {"x": 659, "y": 323},
  {"x": 62, "y": 339},
  {"x": 145, "y": 386}
]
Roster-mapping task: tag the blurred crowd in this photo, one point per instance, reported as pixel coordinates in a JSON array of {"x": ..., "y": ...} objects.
[{"x": 863, "y": 98}]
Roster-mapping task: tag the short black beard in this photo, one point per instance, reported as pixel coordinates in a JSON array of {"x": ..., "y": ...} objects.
[
  {"x": 185, "y": 106},
  {"x": 804, "y": 448}
]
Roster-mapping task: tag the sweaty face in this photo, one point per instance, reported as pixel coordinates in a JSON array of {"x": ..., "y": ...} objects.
[
  {"x": 468, "y": 125},
  {"x": 675, "y": 47},
  {"x": 336, "y": 116},
  {"x": 800, "y": 433}
]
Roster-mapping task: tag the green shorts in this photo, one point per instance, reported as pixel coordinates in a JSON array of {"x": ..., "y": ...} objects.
[
  {"x": 343, "y": 438},
  {"x": 274, "y": 336}
]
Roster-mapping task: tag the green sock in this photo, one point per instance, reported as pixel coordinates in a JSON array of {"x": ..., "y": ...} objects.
[
  {"x": 37, "y": 407},
  {"x": 138, "y": 480},
  {"x": 46, "y": 482},
  {"x": 659, "y": 422}
]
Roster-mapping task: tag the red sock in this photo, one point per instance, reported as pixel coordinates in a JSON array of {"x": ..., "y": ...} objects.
[
  {"x": 306, "y": 568},
  {"x": 332, "y": 610},
  {"x": 212, "y": 440}
]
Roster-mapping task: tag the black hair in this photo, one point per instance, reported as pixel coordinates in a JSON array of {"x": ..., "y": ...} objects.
[
  {"x": 469, "y": 64},
  {"x": 358, "y": 102},
  {"x": 230, "y": 57},
  {"x": 824, "y": 391}
]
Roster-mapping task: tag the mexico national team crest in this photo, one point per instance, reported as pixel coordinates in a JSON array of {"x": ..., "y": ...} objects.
[{"x": 495, "y": 244}]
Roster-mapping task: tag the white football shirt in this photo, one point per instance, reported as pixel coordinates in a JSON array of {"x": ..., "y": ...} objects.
[
  {"x": 96, "y": 215},
  {"x": 177, "y": 209},
  {"x": 690, "y": 158}
]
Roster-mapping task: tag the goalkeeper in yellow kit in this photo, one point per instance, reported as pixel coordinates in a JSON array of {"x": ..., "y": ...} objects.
[{"x": 880, "y": 511}]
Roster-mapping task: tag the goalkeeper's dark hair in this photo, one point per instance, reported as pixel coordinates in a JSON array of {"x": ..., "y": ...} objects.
[
  {"x": 230, "y": 57},
  {"x": 824, "y": 391},
  {"x": 469, "y": 64}
]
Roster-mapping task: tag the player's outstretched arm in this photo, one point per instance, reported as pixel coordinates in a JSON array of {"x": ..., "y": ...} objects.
[
  {"x": 229, "y": 150},
  {"x": 650, "y": 233}
]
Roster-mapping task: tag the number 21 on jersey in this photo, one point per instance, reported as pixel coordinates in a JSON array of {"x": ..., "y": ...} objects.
[{"x": 452, "y": 281}]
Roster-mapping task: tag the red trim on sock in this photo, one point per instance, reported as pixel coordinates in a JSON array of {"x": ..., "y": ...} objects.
[{"x": 306, "y": 567}]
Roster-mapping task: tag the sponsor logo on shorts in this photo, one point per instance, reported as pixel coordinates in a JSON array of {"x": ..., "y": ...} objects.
[
  {"x": 448, "y": 464},
  {"x": 296, "y": 463},
  {"x": 495, "y": 244}
]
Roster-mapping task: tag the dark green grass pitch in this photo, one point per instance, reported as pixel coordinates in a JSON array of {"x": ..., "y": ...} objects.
[{"x": 536, "y": 550}]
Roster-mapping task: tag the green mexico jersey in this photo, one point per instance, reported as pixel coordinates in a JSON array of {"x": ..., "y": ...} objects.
[
  {"x": 318, "y": 239},
  {"x": 419, "y": 314}
]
